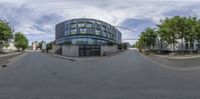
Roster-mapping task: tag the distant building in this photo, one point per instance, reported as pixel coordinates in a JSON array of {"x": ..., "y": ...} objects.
[
  {"x": 181, "y": 45},
  {"x": 35, "y": 45},
  {"x": 44, "y": 45},
  {"x": 11, "y": 46}
]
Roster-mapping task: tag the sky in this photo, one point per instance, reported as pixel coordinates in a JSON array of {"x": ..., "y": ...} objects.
[{"x": 37, "y": 18}]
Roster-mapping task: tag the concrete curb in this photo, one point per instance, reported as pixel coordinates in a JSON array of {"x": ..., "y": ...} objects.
[
  {"x": 5, "y": 55},
  {"x": 178, "y": 58},
  {"x": 162, "y": 64},
  {"x": 84, "y": 58},
  {"x": 4, "y": 63}
]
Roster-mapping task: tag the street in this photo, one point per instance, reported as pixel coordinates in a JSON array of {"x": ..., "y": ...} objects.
[{"x": 129, "y": 75}]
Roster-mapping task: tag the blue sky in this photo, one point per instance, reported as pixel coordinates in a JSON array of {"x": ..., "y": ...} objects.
[{"x": 37, "y": 18}]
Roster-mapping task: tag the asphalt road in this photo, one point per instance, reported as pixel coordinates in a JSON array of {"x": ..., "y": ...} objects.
[
  {"x": 5, "y": 59},
  {"x": 129, "y": 75}
]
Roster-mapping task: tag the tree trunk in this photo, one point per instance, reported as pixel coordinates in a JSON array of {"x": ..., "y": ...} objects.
[
  {"x": 191, "y": 42},
  {"x": 173, "y": 44},
  {"x": 182, "y": 46},
  {"x": 149, "y": 48},
  {"x": 1, "y": 46},
  {"x": 173, "y": 48},
  {"x": 198, "y": 46}
]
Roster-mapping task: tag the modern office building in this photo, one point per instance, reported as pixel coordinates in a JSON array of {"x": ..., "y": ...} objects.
[
  {"x": 91, "y": 37},
  {"x": 85, "y": 31}
]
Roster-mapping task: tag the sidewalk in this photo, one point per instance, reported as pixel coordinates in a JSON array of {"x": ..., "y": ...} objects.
[
  {"x": 178, "y": 56},
  {"x": 9, "y": 54},
  {"x": 84, "y": 58},
  {"x": 176, "y": 63}
]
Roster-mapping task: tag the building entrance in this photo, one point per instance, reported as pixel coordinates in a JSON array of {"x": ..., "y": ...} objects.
[{"x": 89, "y": 50}]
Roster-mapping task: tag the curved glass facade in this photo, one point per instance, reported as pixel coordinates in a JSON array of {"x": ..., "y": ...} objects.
[{"x": 87, "y": 32}]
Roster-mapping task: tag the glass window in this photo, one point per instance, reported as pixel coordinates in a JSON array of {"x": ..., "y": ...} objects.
[
  {"x": 73, "y": 31},
  {"x": 98, "y": 42},
  {"x": 108, "y": 26},
  {"x": 103, "y": 28},
  {"x": 73, "y": 41},
  {"x": 74, "y": 21},
  {"x": 109, "y": 35},
  {"x": 88, "y": 25},
  {"x": 79, "y": 41},
  {"x": 82, "y": 30},
  {"x": 66, "y": 24},
  {"x": 112, "y": 36},
  {"x": 73, "y": 25},
  {"x": 85, "y": 41},
  {"x": 66, "y": 33},
  {"x": 92, "y": 21},
  {"x": 81, "y": 25},
  {"x": 97, "y": 32},
  {"x": 104, "y": 34},
  {"x": 98, "y": 22},
  {"x": 104, "y": 42},
  {"x": 93, "y": 41}
]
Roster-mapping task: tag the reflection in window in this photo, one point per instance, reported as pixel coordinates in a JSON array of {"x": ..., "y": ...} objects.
[
  {"x": 104, "y": 42},
  {"x": 103, "y": 28},
  {"x": 73, "y": 31},
  {"x": 82, "y": 30},
  {"x": 98, "y": 22},
  {"x": 79, "y": 41},
  {"x": 98, "y": 42},
  {"x": 74, "y": 21},
  {"x": 85, "y": 41},
  {"x": 73, "y": 25},
  {"x": 112, "y": 36},
  {"x": 73, "y": 41},
  {"x": 88, "y": 25},
  {"x": 109, "y": 35},
  {"x": 81, "y": 25},
  {"x": 66, "y": 33},
  {"x": 109, "y": 26},
  {"x": 93, "y": 41},
  {"x": 104, "y": 34},
  {"x": 97, "y": 32},
  {"x": 92, "y": 21}
]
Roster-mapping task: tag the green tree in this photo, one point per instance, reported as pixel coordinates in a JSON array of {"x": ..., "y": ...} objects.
[
  {"x": 21, "y": 41},
  {"x": 190, "y": 30},
  {"x": 6, "y": 33},
  {"x": 196, "y": 29},
  {"x": 169, "y": 31},
  {"x": 148, "y": 38},
  {"x": 40, "y": 45},
  {"x": 49, "y": 46}
]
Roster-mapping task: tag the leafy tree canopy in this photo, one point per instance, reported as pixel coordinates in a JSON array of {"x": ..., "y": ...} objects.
[{"x": 21, "y": 41}]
